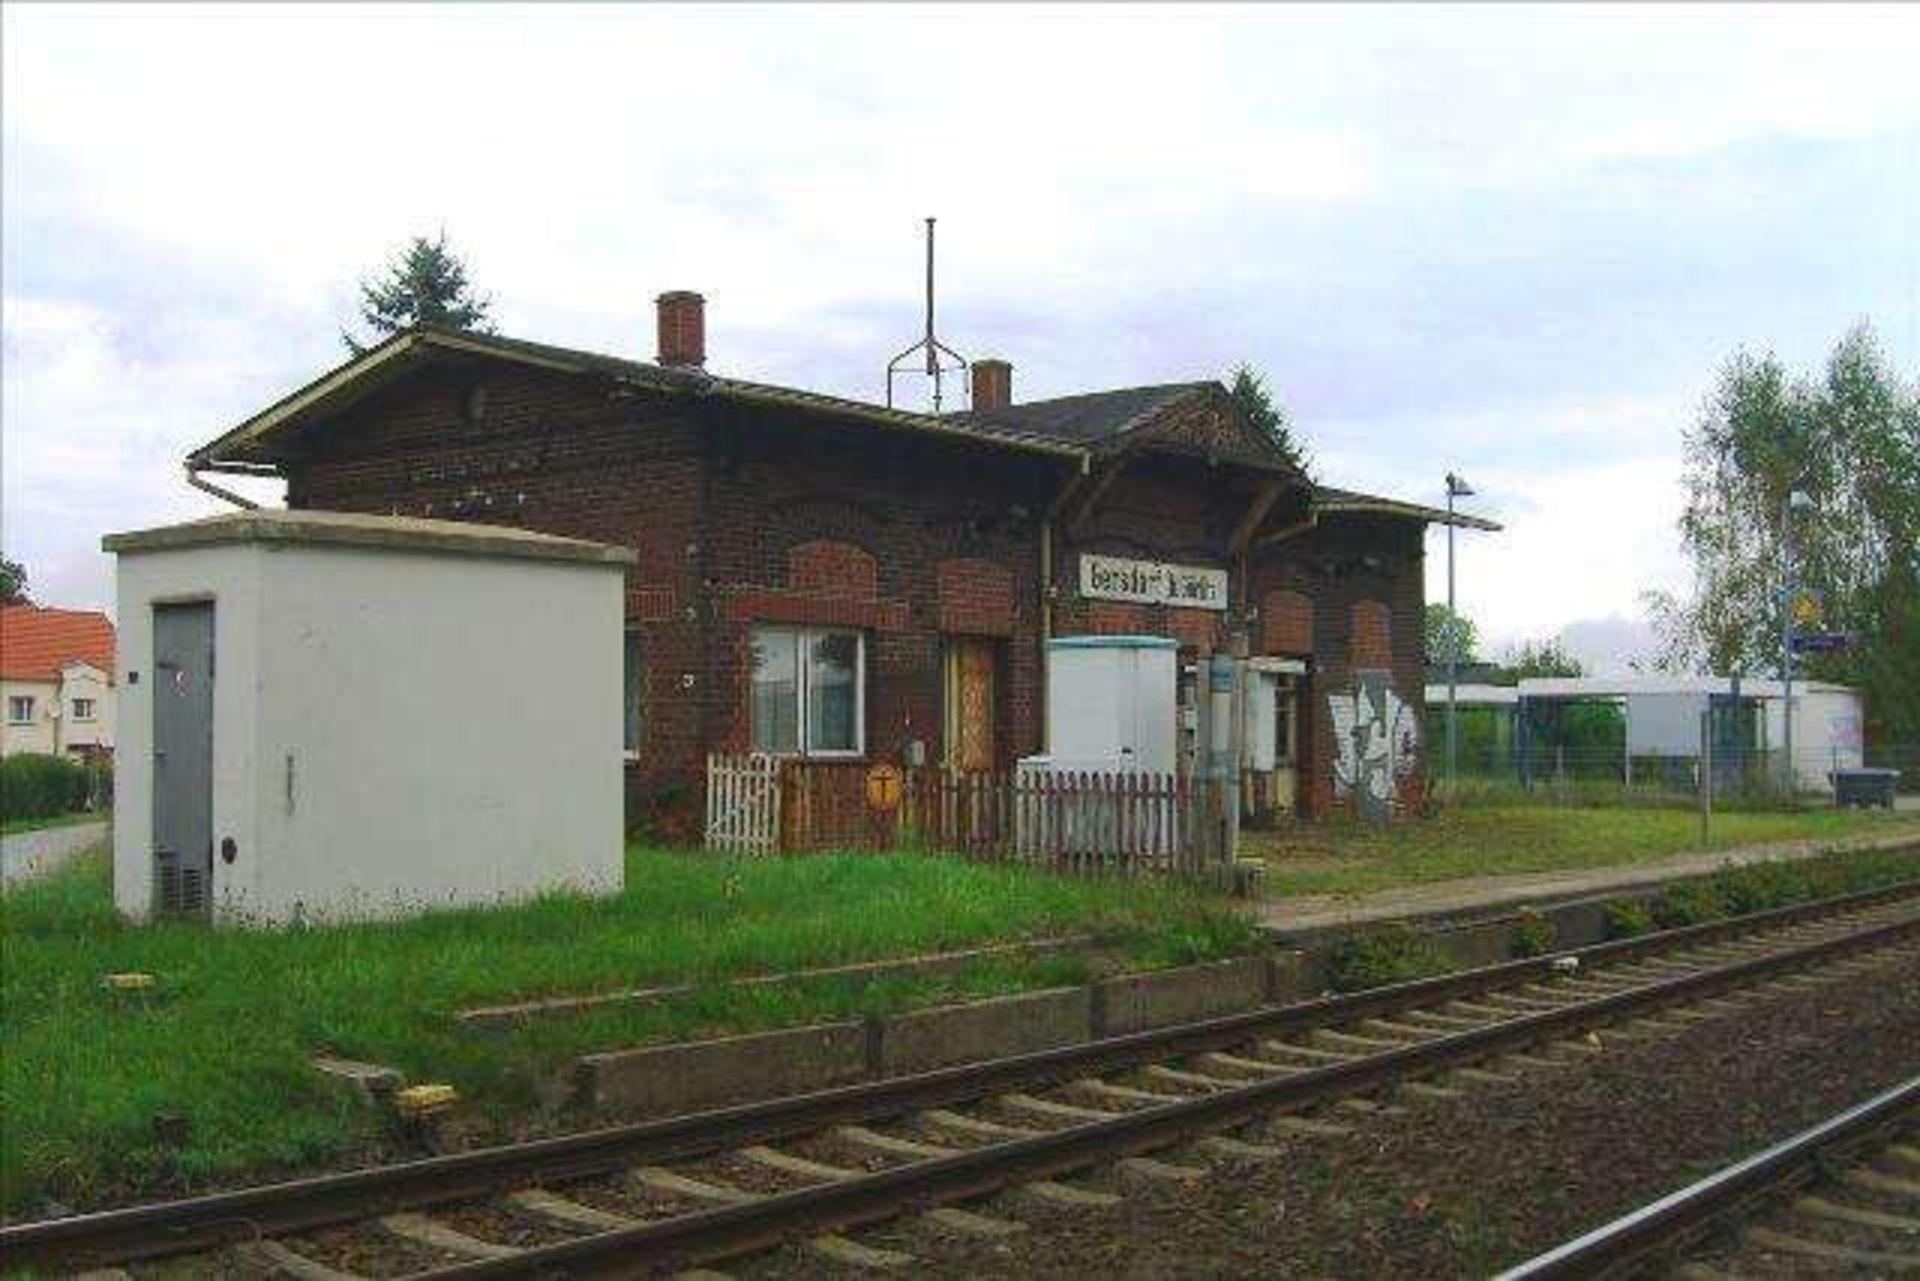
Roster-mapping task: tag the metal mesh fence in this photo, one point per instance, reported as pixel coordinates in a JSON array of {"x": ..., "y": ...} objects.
[{"x": 1598, "y": 769}]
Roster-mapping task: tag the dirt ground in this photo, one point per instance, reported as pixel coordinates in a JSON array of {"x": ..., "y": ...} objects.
[{"x": 1464, "y": 1186}]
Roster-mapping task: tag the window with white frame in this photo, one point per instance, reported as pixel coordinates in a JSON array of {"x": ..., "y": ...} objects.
[
  {"x": 83, "y": 709},
  {"x": 809, "y": 691},
  {"x": 634, "y": 699},
  {"x": 20, "y": 709}
]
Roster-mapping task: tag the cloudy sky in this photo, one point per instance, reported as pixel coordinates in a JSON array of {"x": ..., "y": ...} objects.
[{"x": 1512, "y": 242}]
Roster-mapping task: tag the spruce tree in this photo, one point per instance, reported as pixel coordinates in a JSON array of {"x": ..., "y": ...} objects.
[
  {"x": 424, "y": 284},
  {"x": 1249, "y": 391}
]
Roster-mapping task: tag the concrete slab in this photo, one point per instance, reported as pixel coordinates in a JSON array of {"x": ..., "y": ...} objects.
[
  {"x": 372, "y": 1081},
  {"x": 928, "y": 1039},
  {"x": 664, "y": 1079},
  {"x": 1137, "y": 1002}
]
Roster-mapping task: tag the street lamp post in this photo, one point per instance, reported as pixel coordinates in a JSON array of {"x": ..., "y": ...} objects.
[
  {"x": 1456, "y": 488},
  {"x": 1797, "y": 500}
]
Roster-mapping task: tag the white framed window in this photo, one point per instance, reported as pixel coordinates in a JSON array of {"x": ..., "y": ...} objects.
[
  {"x": 633, "y": 702},
  {"x": 809, "y": 691},
  {"x": 83, "y": 709},
  {"x": 20, "y": 709}
]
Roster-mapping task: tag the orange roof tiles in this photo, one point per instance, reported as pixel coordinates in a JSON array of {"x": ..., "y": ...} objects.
[{"x": 36, "y": 643}]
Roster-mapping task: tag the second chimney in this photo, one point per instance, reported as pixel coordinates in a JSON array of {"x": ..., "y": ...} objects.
[
  {"x": 992, "y": 384},
  {"x": 683, "y": 328}
]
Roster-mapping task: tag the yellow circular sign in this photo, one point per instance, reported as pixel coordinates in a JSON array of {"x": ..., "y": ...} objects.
[{"x": 884, "y": 784}]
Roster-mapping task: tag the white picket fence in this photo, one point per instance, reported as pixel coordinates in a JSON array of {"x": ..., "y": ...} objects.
[
  {"x": 1070, "y": 821},
  {"x": 743, "y": 804}
]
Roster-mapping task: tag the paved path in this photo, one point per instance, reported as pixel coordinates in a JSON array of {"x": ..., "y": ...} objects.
[
  {"x": 1470, "y": 895},
  {"x": 35, "y": 853}
]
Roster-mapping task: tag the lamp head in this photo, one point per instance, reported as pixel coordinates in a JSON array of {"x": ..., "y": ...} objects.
[{"x": 1457, "y": 486}]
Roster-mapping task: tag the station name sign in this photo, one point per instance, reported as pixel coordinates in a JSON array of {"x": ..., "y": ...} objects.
[{"x": 1152, "y": 582}]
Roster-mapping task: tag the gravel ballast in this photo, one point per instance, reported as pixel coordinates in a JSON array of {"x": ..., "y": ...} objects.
[{"x": 1464, "y": 1186}]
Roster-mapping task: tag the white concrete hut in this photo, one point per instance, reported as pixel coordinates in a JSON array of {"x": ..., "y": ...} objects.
[{"x": 327, "y": 716}]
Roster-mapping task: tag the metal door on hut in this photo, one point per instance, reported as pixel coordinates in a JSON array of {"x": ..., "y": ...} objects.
[
  {"x": 972, "y": 693},
  {"x": 183, "y": 759}
]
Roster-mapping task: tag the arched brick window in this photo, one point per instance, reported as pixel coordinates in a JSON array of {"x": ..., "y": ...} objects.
[
  {"x": 832, "y": 569},
  {"x": 1372, "y": 638},
  {"x": 1286, "y": 624}
]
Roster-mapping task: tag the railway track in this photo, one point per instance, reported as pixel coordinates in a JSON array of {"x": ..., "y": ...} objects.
[
  {"x": 659, "y": 1196},
  {"x": 1840, "y": 1199}
]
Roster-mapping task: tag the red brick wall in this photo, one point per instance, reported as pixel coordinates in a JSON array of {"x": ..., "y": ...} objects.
[
  {"x": 1160, "y": 508},
  {"x": 742, "y": 515},
  {"x": 946, "y": 533},
  {"x": 1364, "y": 582},
  {"x": 977, "y": 597}
]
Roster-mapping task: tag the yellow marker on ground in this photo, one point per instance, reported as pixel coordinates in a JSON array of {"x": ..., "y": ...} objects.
[
  {"x": 127, "y": 981},
  {"x": 424, "y": 1100}
]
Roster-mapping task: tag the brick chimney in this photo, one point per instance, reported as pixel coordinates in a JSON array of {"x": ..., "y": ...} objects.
[
  {"x": 683, "y": 328},
  {"x": 992, "y": 384}
]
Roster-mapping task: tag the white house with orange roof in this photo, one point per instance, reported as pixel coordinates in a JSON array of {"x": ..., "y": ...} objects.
[{"x": 56, "y": 681}]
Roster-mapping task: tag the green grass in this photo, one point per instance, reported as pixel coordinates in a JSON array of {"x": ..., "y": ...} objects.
[
  {"x": 15, "y": 826},
  {"x": 1346, "y": 858},
  {"x": 225, "y": 1036}
]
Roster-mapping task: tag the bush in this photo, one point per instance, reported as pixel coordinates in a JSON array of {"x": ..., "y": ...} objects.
[
  {"x": 1690, "y": 903},
  {"x": 35, "y": 785},
  {"x": 1386, "y": 956},
  {"x": 1533, "y": 934},
  {"x": 1628, "y": 919}
]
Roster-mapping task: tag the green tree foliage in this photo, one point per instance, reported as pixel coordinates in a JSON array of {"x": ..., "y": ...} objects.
[
  {"x": 424, "y": 284},
  {"x": 1850, "y": 439},
  {"x": 13, "y": 582},
  {"x": 1539, "y": 658},
  {"x": 1450, "y": 635},
  {"x": 1250, "y": 393}
]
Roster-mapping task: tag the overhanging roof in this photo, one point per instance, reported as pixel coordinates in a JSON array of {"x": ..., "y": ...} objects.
[
  {"x": 252, "y": 442},
  {"x": 1330, "y": 500},
  {"x": 1077, "y": 428},
  {"x": 1578, "y": 687}
]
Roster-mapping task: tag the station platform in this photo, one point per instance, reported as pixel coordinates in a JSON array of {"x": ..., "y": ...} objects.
[{"x": 1467, "y": 898}]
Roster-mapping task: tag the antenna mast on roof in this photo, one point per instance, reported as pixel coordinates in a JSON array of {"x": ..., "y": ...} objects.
[{"x": 941, "y": 359}]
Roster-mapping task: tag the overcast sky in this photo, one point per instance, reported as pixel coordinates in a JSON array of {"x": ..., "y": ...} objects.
[{"x": 1516, "y": 243}]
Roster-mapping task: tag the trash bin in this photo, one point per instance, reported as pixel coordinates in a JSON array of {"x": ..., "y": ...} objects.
[{"x": 1864, "y": 787}]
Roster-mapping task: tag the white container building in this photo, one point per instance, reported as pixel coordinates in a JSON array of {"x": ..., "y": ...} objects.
[
  {"x": 326, "y": 716},
  {"x": 1663, "y": 715}
]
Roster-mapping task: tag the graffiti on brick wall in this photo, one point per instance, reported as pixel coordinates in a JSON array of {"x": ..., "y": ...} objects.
[{"x": 1377, "y": 740}]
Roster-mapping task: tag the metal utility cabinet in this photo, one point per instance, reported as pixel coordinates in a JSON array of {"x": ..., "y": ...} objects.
[
  {"x": 1110, "y": 703},
  {"x": 327, "y": 716}
]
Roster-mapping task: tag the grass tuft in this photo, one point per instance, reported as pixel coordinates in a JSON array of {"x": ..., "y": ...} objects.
[{"x": 1392, "y": 955}]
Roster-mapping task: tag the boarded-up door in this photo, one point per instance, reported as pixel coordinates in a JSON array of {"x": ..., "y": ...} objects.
[
  {"x": 183, "y": 759},
  {"x": 972, "y": 694}
]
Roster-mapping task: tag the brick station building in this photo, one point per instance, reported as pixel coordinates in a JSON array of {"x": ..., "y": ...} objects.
[{"x": 835, "y": 579}]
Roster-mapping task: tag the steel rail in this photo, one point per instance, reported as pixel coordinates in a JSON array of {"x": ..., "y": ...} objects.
[
  {"x": 186, "y": 1225},
  {"x": 714, "y": 1235},
  {"x": 1614, "y": 1247}
]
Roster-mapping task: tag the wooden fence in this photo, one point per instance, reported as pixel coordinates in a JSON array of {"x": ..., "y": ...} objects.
[
  {"x": 743, "y": 804},
  {"x": 1082, "y": 822}
]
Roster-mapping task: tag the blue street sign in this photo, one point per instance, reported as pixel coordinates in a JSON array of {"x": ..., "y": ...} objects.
[{"x": 1821, "y": 642}]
